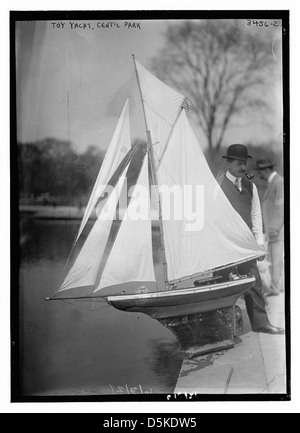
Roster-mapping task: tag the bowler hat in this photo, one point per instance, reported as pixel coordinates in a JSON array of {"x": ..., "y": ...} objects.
[
  {"x": 263, "y": 164},
  {"x": 237, "y": 151}
]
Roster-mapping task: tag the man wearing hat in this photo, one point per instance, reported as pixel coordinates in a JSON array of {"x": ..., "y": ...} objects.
[
  {"x": 243, "y": 196},
  {"x": 273, "y": 218}
]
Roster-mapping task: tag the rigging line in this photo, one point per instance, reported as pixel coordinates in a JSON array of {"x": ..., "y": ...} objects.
[
  {"x": 158, "y": 114},
  {"x": 74, "y": 304},
  {"x": 140, "y": 90},
  {"x": 87, "y": 299},
  {"x": 169, "y": 174},
  {"x": 168, "y": 139}
]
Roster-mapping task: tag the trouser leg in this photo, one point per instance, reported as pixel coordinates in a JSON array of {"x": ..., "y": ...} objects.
[
  {"x": 255, "y": 303},
  {"x": 277, "y": 267}
]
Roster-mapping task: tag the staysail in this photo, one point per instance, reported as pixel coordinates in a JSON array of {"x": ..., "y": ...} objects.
[
  {"x": 131, "y": 257},
  {"x": 83, "y": 265},
  {"x": 84, "y": 272},
  {"x": 118, "y": 147}
]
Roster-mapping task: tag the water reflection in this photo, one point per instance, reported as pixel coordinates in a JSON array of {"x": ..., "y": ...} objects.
[
  {"x": 166, "y": 360},
  {"x": 83, "y": 349},
  {"x": 46, "y": 239}
]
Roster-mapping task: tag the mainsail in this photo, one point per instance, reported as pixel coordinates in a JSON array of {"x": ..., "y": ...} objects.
[
  {"x": 162, "y": 106},
  {"x": 224, "y": 239},
  {"x": 221, "y": 236}
]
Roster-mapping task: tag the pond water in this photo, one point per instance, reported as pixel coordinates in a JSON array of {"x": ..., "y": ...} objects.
[{"x": 83, "y": 349}]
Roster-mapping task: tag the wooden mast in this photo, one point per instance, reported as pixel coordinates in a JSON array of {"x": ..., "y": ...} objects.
[{"x": 154, "y": 176}]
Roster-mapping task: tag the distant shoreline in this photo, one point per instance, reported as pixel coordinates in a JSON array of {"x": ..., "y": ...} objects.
[
  {"x": 52, "y": 212},
  {"x": 47, "y": 212}
]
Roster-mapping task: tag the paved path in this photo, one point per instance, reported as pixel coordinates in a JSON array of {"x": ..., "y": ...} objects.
[{"x": 256, "y": 365}]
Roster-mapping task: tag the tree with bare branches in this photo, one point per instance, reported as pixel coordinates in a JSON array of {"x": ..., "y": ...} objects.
[{"x": 223, "y": 69}]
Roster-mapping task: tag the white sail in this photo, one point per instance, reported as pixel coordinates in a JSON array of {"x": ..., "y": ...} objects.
[
  {"x": 162, "y": 107},
  {"x": 84, "y": 272},
  {"x": 118, "y": 147},
  {"x": 224, "y": 237},
  {"x": 131, "y": 256},
  {"x": 216, "y": 237}
]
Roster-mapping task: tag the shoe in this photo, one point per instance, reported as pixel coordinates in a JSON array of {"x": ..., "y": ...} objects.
[{"x": 270, "y": 329}]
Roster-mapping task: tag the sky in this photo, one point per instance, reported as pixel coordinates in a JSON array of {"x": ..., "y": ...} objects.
[
  {"x": 73, "y": 78},
  {"x": 72, "y": 82}
]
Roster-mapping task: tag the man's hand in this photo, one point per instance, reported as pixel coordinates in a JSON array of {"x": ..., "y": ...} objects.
[
  {"x": 262, "y": 246},
  {"x": 273, "y": 232}
]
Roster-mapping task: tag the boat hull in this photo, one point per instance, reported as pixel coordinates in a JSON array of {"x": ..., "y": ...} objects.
[
  {"x": 183, "y": 302},
  {"x": 203, "y": 319}
]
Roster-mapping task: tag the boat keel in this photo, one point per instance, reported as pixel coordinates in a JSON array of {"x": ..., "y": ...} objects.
[{"x": 206, "y": 332}]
